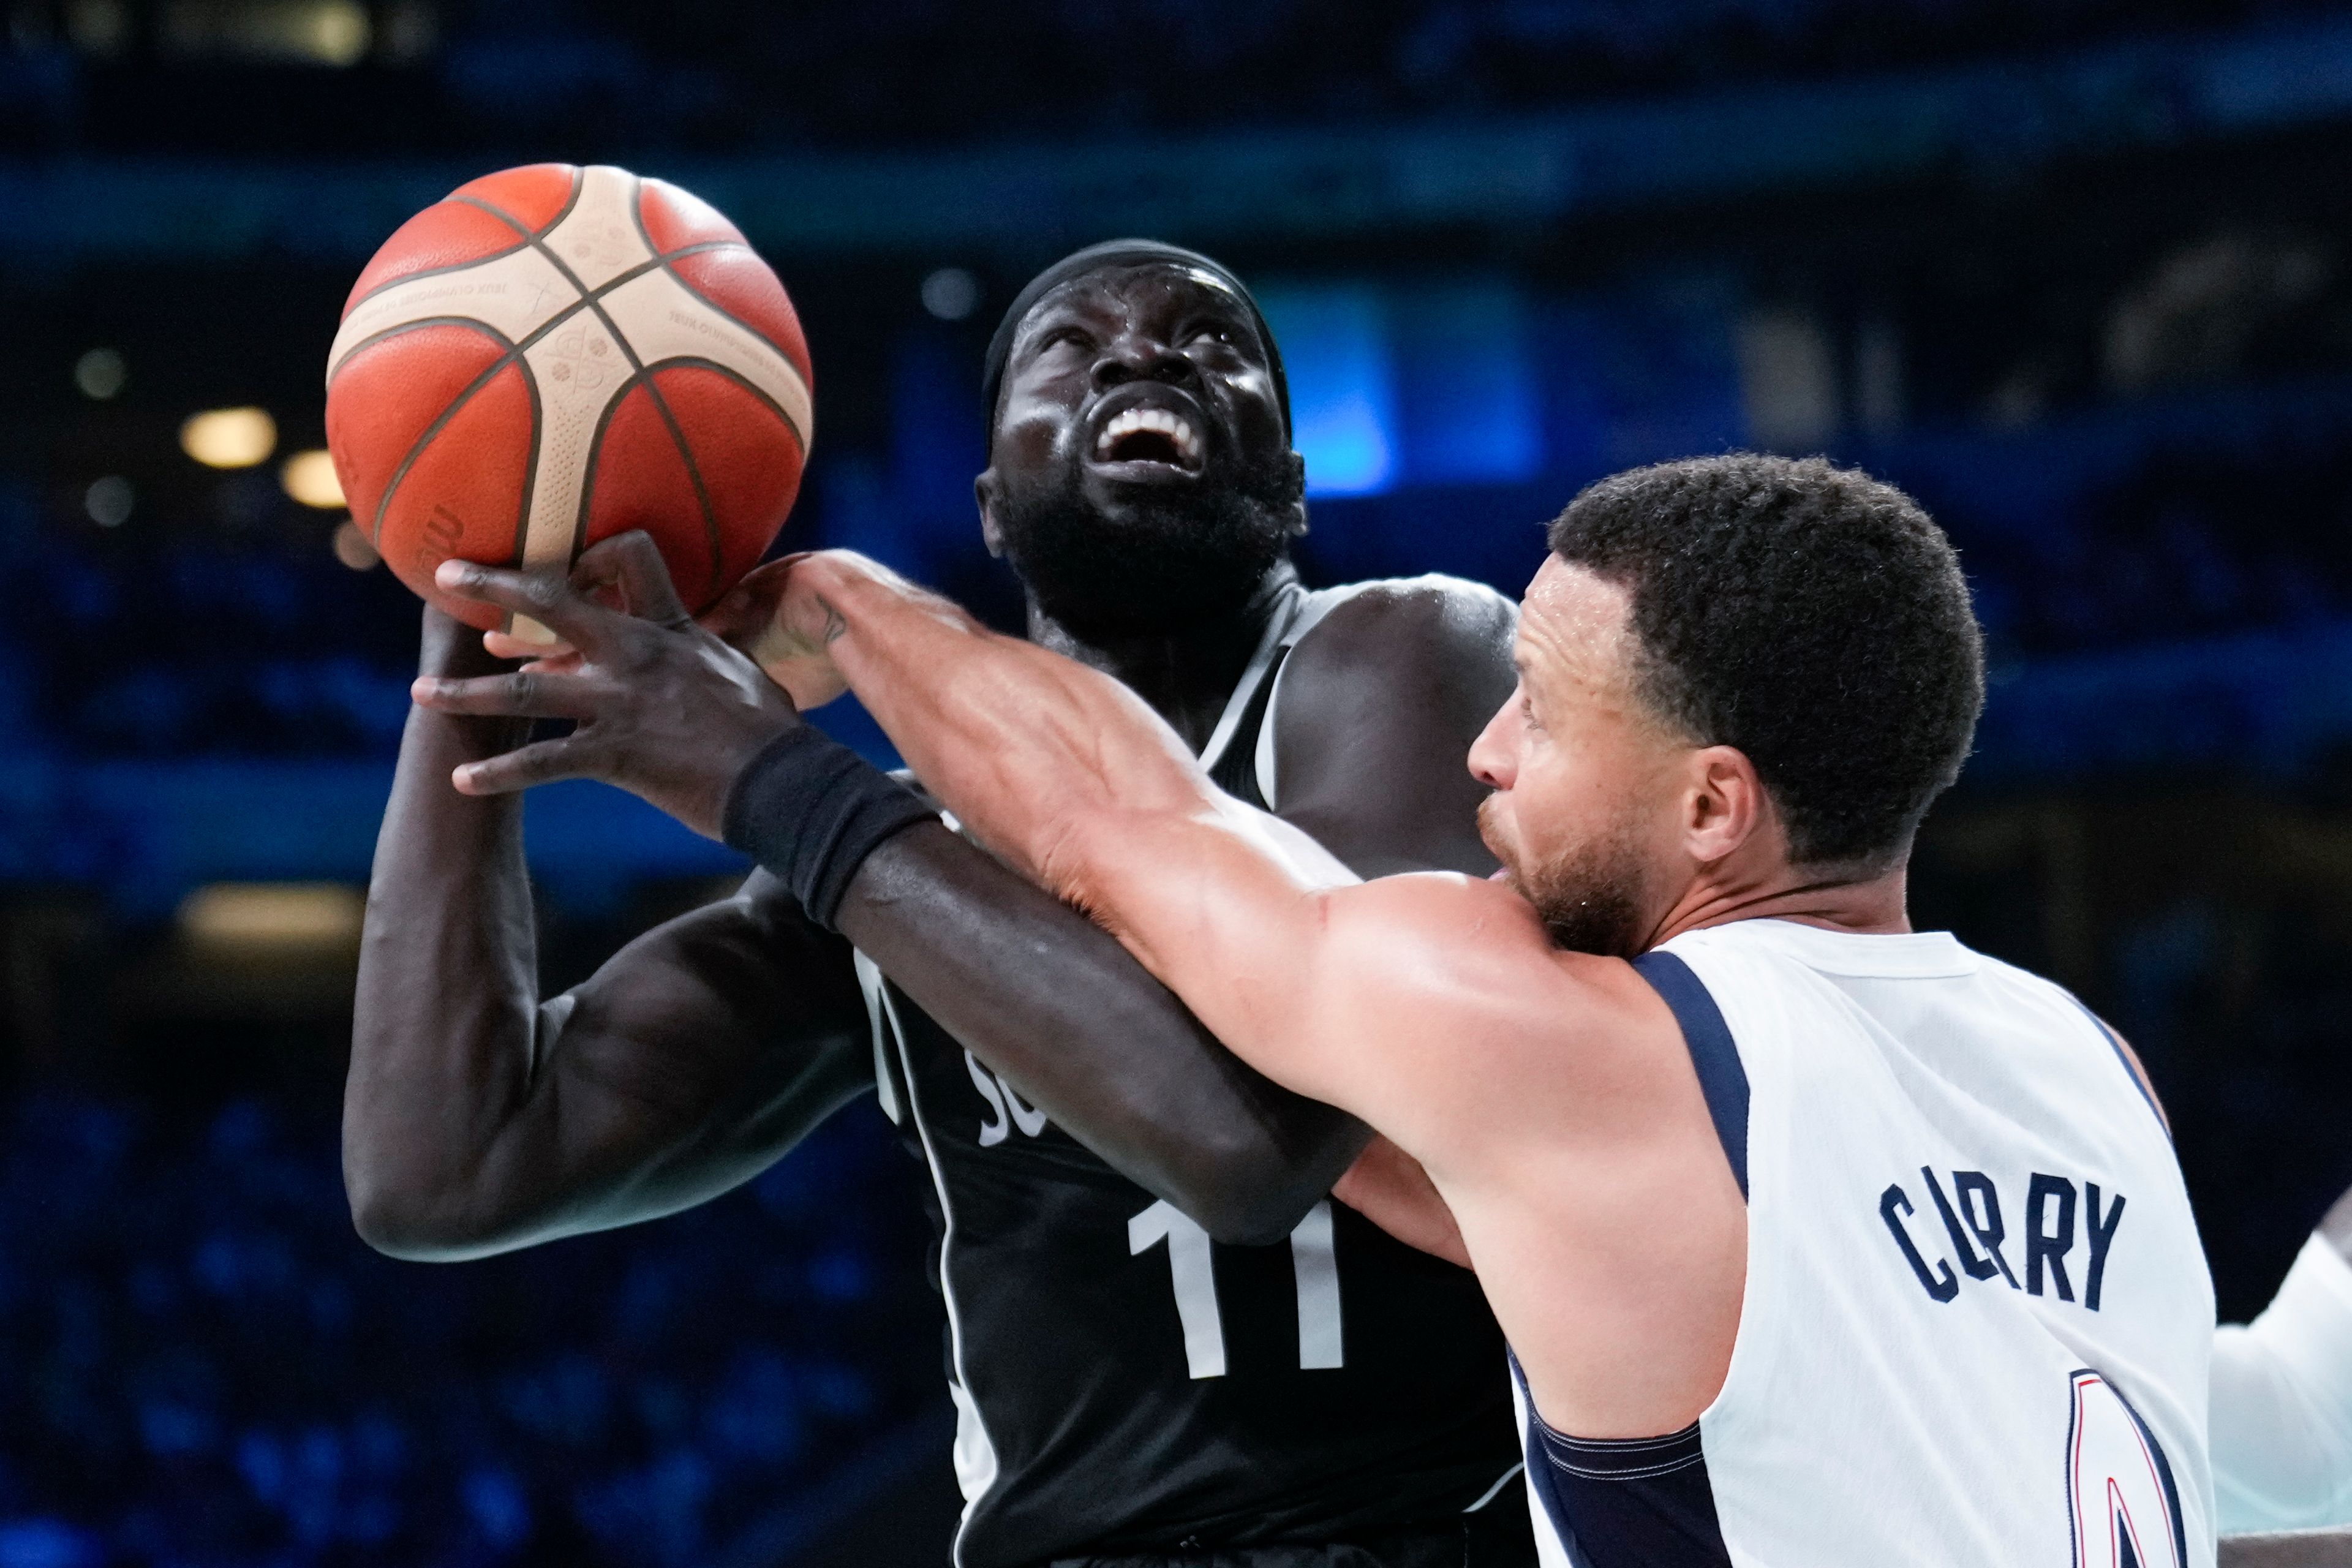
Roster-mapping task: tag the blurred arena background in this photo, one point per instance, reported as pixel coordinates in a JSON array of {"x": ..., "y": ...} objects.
[{"x": 2076, "y": 272}]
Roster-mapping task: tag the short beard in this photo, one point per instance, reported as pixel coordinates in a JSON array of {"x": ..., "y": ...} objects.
[
  {"x": 1178, "y": 558},
  {"x": 1590, "y": 900}
]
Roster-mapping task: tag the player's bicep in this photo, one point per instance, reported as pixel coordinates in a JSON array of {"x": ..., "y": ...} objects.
[{"x": 707, "y": 1017}]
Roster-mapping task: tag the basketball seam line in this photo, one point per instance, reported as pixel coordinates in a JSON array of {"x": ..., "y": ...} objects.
[
  {"x": 416, "y": 448},
  {"x": 663, "y": 260},
  {"x": 593, "y": 302},
  {"x": 433, "y": 271},
  {"x": 661, "y": 404},
  {"x": 696, "y": 362},
  {"x": 479, "y": 205},
  {"x": 693, "y": 473},
  {"x": 513, "y": 355},
  {"x": 571, "y": 200},
  {"x": 523, "y": 243},
  {"x": 589, "y": 300},
  {"x": 693, "y": 468},
  {"x": 530, "y": 474},
  {"x": 515, "y": 350},
  {"x": 531, "y": 339},
  {"x": 802, "y": 372},
  {"x": 589, "y": 297},
  {"x": 596, "y": 457}
]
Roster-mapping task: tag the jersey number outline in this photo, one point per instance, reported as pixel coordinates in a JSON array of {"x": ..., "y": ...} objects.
[
  {"x": 2122, "y": 1507},
  {"x": 1192, "y": 1267}
]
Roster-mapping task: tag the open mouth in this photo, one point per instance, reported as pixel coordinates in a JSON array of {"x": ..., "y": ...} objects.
[{"x": 1150, "y": 436}]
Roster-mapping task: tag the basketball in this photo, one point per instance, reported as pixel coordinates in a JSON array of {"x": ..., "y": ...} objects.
[{"x": 551, "y": 356}]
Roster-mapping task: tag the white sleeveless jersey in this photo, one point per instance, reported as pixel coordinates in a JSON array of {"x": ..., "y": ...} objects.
[{"x": 1977, "y": 1322}]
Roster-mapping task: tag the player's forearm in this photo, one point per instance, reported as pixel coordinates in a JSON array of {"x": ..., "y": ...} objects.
[
  {"x": 1080, "y": 785},
  {"x": 1051, "y": 1000},
  {"x": 442, "y": 1029},
  {"x": 1022, "y": 744}
]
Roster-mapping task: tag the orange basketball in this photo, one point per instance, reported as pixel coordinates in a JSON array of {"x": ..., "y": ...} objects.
[{"x": 550, "y": 355}]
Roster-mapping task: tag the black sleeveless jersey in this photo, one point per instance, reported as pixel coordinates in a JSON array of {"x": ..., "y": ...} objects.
[{"x": 1126, "y": 1386}]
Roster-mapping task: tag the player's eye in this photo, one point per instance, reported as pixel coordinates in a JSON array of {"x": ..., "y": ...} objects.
[{"x": 1209, "y": 332}]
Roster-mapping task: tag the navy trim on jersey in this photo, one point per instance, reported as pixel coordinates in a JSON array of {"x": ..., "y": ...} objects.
[
  {"x": 1721, "y": 1077},
  {"x": 1625, "y": 1502},
  {"x": 2116, "y": 1044}
]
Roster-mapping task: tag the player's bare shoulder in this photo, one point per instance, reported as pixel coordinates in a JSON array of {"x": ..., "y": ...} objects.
[
  {"x": 1373, "y": 714},
  {"x": 1431, "y": 630}
]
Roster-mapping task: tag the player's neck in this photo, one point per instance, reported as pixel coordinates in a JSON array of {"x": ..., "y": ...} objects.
[
  {"x": 1876, "y": 905},
  {"x": 1187, "y": 676}
]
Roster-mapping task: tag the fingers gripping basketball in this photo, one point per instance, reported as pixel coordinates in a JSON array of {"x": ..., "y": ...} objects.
[{"x": 552, "y": 355}]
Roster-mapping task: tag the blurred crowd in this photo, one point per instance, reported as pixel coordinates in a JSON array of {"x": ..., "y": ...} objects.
[
  {"x": 719, "y": 75},
  {"x": 200, "y": 641},
  {"x": 2124, "y": 384},
  {"x": 206, "y": 1368}
]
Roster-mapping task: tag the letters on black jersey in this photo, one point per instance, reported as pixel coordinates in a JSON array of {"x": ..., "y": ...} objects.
[
  {"x": 1972, "y": 1224},
  {"x": 1011, "y": 1110}
]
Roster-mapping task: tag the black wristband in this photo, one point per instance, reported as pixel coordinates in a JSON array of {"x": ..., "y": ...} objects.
[{"x": 810, "y": 810}]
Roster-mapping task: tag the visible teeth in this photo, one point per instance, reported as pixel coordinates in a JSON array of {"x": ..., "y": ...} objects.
[{"x": 1165, "y": 421}]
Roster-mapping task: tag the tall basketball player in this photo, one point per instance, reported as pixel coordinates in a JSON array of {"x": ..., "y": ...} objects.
[
  {"x": 1818, "y": 1240},
  {"x": 1131, "y": 1381}
]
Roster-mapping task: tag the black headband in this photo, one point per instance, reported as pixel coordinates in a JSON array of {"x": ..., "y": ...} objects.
[{"x": 1120, "y": 253}]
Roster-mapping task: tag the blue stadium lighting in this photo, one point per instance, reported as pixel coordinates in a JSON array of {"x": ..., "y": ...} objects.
[
  {"x": 1343, "y": 405},
  {"x": 1467, "y": 388}
]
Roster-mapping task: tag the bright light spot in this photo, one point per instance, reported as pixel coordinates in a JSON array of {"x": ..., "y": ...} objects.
[
  {"x": 334, "y": 32},
  {"x": 109, "y": 502},
  {"x": 100, "y": 374},
  {"x": 273, "y": 917},
  {"x": 1345, "y": 441},
  {"x": 353, "y": 549},
  {"x": 310, "y": 477},
  {"x": 1343, "y": 402},
  {"x": 950, "y": 293},
  {"x": 230, "y": 437},
  {"x": 312, "y": 32},
  {"x": 1469, "y": 408}
]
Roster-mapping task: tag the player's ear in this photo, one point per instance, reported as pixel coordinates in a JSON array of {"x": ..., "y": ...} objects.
[
  {"x": 1725, "y": 803},
  {"x": 1297, "y": 524},
  {"x": 986, "y": 490}
]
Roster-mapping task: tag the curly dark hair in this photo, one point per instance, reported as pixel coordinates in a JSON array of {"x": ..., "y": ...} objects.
[{"x": 1809, "y": 615}]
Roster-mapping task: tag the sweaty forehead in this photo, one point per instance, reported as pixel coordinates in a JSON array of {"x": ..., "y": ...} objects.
[
  {"x": 1576, "y": 627},
  {"x": 1111, "y": 291}
]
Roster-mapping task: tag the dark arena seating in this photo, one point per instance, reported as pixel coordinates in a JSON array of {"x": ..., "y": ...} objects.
[{"x": 2076, "y": 273}]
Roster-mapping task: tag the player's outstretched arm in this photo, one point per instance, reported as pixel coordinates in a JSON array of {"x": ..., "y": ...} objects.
[
  {"x": 1072, "y": 777},
  {"x": 1054, "y": 1003},
  {"x": 1548, "y": 1095},
  {"x": 1036, "y": 991},
  {"x": 2282, "y": 1397},
  {"x": 478, "y": 1118}
]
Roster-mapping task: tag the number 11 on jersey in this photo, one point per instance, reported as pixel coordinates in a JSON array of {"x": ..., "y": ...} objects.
[{"x": 1191, "y": 1266}]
